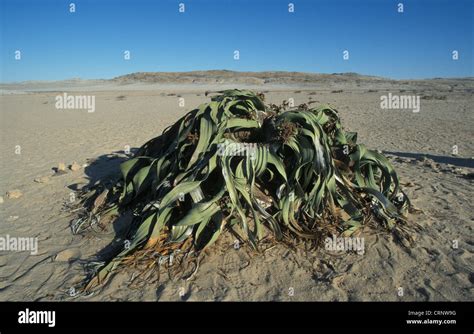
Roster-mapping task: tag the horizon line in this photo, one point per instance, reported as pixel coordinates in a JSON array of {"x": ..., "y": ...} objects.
[{"x": 234, "y": 71}]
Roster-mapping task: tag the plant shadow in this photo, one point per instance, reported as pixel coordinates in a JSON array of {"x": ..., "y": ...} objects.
[
  {"x": 455, "y": 161},
  {"x": 105, "y": 170}
]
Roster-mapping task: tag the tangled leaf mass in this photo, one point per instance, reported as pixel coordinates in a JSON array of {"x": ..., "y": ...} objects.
[{"x": 237, "y": 163}]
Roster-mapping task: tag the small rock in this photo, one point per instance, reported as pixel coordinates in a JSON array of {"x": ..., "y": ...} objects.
[
  {"x": 1, "y": 199},
  {"x": 460, "y": 171},
  {"x": 67, "y": 255},
  {"x": 12, "y": 218},
  {"x": 61, "y": 167},
  {"x": 42, "y": 179},
  {"x": 14, "y": 194},
  {"x": 75, "y": 166},
  {"x": 60, "y": 170}
]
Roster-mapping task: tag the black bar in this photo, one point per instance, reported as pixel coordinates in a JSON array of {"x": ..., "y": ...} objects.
[{"x": 128, "y": 315}]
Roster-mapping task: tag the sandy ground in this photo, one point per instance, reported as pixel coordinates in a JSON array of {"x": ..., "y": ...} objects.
[{"x": 438, "y": 267}]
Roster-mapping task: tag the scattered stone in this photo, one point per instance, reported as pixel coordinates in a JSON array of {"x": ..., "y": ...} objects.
[
  {"x": 14, "y": 194},
  {"x": 1, "y": 199},
  {"x": 42, "y": 179},
  {"x": 458, "y": 170},
  {"x": 61, "y": 167},
  {"x": 60, "y": 170},
  {"x": 398, "y": 159},
  {"x": 75, "y": 166},
  {"x": 12, "y": 218},
  {"x": 430, "y": 163},
  {"x": 67, "y": 255}
]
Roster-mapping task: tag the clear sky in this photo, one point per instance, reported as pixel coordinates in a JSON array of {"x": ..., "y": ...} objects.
[{"x": 56, "y": 44}]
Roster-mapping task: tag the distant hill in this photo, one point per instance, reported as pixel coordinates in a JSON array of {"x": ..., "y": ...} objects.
[{"x": 252, "y": 78}]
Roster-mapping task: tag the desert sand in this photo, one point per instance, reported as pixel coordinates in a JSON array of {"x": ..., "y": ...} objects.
[{"x": 432, "y": 151}]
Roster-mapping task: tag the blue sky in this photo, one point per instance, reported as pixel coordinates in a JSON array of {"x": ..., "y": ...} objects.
[{"x": 56, "y": 44}]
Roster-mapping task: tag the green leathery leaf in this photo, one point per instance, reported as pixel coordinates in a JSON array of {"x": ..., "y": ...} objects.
[
  {"x": 199, "y": 212},
  {"x": 182, "y": 188}
]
